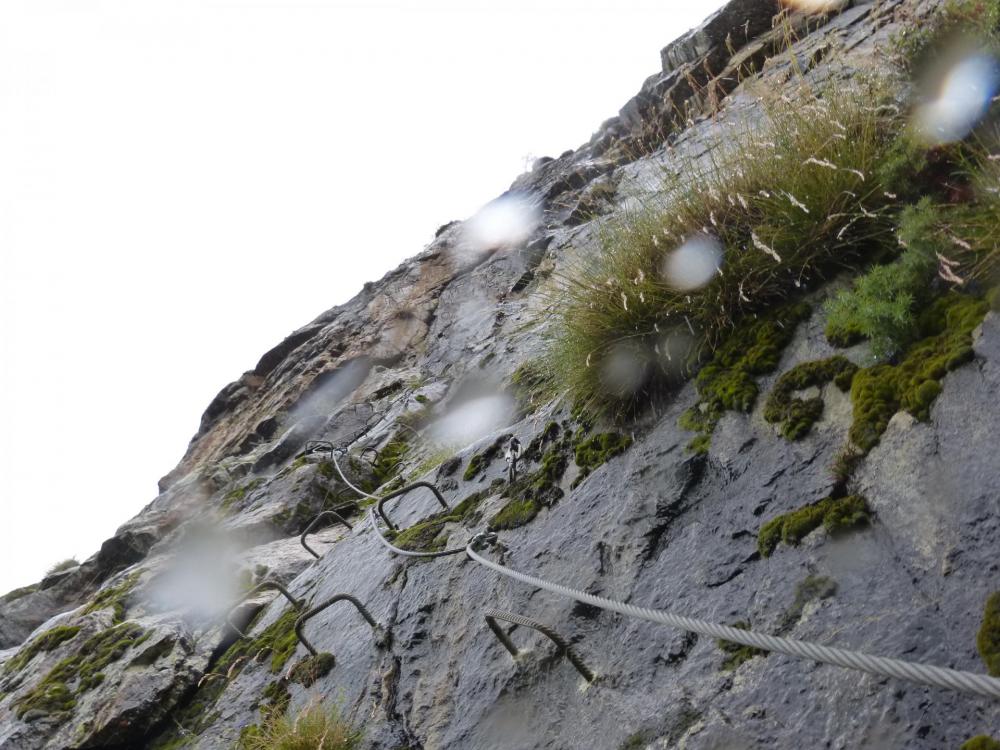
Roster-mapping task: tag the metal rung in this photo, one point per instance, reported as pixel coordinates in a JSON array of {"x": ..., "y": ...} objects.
[
  {"x": 492, "y": 615},
  {"x": 403, "y": 491},
  {"x": 318, "y": 446},
  {"x": 381, "y": 634},
  {"x": 337, "y": 518},
  {"x": 263, "y": 585}
]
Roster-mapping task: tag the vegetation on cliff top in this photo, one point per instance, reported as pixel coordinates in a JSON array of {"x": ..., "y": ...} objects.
[{"x": 785, "y": 203}]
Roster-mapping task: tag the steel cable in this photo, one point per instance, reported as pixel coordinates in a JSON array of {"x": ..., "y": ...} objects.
[{"x": 923, "y": 673}]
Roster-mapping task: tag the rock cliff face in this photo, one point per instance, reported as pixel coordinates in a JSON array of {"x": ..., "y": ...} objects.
[{"x": 131, "y": 650}]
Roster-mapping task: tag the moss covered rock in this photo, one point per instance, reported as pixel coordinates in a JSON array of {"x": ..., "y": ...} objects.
[
  {"x": 912, "y": 385},
  {"x": 836, "y": 515},
  {"x": 797, "y": 415},
  {"x": 988, "y": 639}
]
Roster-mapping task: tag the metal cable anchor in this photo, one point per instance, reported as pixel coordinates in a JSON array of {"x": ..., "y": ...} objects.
[
  {"x": 403, "y": 491},
  {"x": 492, "y": 615}
]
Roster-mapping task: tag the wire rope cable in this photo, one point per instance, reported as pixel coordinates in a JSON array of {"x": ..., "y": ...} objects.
[{"x": 968, "y": 682}]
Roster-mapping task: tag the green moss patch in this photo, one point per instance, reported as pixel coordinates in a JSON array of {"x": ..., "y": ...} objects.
[
  {"x": 836, "y": 515},
  {"x": 428, "y": 536},
  {"x": 597, "y": 450},
  {"x": 312, "y": 668},
  {"x": 45, "y": 642},
  {"x": 736, "y": 653},
  {"x": 988, "y": 639},
  {"x": 481, "y": 461},
  {"x": 980, "y": 742},
  {"x": 913, "y": 384},
  {"x": 277, "y": 641},
  {"x": 727, "y": 382},
  {"x": 797, "y": 415},
  {"x": 11, "y": 596},
  {"x": 57, "y": 691},
  {"x": 239, "y": 494},
  {"x": 516, "y": 513},
  {"x": 114, "y": 598},
  {"x": 540, "y": 488}
]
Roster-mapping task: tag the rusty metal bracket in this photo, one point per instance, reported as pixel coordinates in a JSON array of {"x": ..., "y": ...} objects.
[
  {"x": 492, "y": 615},
  {"x": 403, "y": 491},
  {"x": 381, "y": 634},
  {"x": 263, "y": 585},
  {"x": 337, "y": 518}
]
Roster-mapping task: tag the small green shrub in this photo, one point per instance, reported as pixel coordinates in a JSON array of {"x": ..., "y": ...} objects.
[
  {"x": 881, "y": 304},
  {"x": 315, "y": 727},
  {"x": 737, "y": 653},
  {"x": 797, "y": 416},
  {"x": 916, "y": 43},
  {"x": 988, "y": 638},
  {"x": 836, "y": 515}
]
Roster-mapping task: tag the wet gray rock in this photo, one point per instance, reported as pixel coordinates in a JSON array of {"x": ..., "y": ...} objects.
[{"x": 655, "y": 526}]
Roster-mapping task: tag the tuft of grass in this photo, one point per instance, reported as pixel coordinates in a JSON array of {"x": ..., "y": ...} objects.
[
  {"x": 988, "y": 638},
  {"x": 835, "y": 514},
  {"x": 915, "y": 44},
  {"x": 316, "y": 727},
  {"x": 796, "y": 415},
  {"x": 59, "y": 567},
  {"x": 790, "y": 200}
]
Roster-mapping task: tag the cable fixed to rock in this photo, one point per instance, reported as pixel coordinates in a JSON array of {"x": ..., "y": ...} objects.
[
  {"x": 492, "y": 615},
  {"x": 406, "y": 552},
  {"x": 263, "y": 585},
  {"x": 406, "y": 490},
  {"x": 968, "y": 682},
  {"x": 337, "y": 518},
  {"x": 381, "y": 633}
]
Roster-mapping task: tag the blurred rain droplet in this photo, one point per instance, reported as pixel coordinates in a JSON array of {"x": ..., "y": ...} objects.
[
  {"x": 474, "y": 419},
  {"x": 508, "y": 221},
  {"x": 815, "y": 6},
  {"x": 963, "y": 97},
  {"x": 694, "y": 263},
  {"x": 624, "y": 370}
]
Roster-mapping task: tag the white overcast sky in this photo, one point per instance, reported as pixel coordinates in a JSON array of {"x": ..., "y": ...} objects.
[{"x": 184, "y": 183}]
